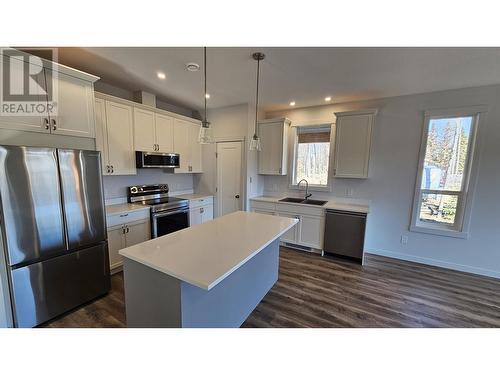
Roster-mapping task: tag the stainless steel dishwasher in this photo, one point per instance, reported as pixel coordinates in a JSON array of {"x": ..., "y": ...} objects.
[{"x": 345, "y": 234}]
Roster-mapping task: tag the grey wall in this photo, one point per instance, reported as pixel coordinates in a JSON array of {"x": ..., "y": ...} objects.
[
  {"x": 229, "y": 123},
  {"x": 393, "y": 165},
  {"x": 115, "y": 186}
]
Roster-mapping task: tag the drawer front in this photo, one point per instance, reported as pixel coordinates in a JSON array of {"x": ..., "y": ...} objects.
[
  {"x": 259, "y": 205},
  {"x": 300, "y": 209},
  {"x": 194, "y": 203},
  {"x": 126, "y": 217}
]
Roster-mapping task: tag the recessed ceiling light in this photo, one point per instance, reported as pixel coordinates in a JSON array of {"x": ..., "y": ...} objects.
[
  {"x": 328, "y": 98},
  {"x": 161, "y": 75},
  {"x": 207, "y": 95},
  {"x": 192, "y": 67},
  {"x": 292, "y": 103}
]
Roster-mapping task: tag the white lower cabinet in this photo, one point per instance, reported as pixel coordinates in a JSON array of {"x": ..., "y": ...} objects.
[
  {"x": 308, "y": 232},
  {"x": 201, "y": 210},
  {"x": 292, "y": 234},
  {"x": 124, "y": 235}
]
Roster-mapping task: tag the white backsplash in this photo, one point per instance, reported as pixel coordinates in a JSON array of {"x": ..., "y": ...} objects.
[{"x": 115, "y": 187}]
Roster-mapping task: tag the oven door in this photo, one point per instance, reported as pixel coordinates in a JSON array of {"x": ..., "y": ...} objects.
[{"x": 169, "y": 221}]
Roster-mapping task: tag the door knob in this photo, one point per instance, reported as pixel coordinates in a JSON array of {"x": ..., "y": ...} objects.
[{"x": 237, "y": 196}]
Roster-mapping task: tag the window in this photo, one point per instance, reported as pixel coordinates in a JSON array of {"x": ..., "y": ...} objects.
[
  {"x": 440, "y": 203},
  {"x": 312, "y": 155}
]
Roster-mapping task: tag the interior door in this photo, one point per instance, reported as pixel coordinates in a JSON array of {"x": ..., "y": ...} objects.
[
  {"x": 229, "y": 192},
  {"x": 144, "y": 130},
  {"x": 31, "y": 204},
  {"x": 165, "y": 133}
]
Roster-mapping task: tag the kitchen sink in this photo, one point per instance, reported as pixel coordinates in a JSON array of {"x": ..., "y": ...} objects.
[
  {"x": 292, "y": 200},
  {"x": 314, "y": 202}
]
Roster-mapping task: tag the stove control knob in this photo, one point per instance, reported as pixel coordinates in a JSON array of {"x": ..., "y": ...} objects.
[{"x": 133, "y": 189}]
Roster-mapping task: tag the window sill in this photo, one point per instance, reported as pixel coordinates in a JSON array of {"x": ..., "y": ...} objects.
[
  {"x": 439, "y": 231},
  {"x": 327, "y": 188}
]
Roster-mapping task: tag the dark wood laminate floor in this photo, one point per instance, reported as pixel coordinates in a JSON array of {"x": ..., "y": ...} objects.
[{"x": 318, "y": 292}]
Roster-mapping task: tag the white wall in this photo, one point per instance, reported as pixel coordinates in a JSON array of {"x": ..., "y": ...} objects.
[
  {"x": 393, "y": 166},
  {"x": 115, "y": 186}
]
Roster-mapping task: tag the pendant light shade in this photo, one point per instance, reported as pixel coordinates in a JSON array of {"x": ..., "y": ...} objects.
[
  {"x": 205, "y": 135},
  {"x": 255, "y": 141}
]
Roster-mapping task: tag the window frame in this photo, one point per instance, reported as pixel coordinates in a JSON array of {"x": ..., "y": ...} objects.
[
  {"x": 460, "y": 228},
  {"x": 293, "y": 158}
]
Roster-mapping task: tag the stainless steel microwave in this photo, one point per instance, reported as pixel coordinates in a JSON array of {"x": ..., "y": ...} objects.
[{"x": 156, "y": 160}]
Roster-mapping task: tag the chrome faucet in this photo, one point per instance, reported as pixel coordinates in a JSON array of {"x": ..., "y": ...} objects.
[{"x": 307, "y": 188}]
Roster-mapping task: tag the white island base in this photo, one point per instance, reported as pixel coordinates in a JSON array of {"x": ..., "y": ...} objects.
[
  {"x": 208, "y": 275},
  {"x": 154, "y": 299}
]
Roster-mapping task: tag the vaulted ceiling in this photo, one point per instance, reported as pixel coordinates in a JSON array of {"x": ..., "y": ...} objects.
[{"x": 304, "y": 75}]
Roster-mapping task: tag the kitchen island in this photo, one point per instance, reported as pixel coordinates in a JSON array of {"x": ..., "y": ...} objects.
[{"x": 209, "y": 275}]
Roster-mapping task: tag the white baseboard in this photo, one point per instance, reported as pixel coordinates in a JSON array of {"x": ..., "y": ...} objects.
[{"x": 437, "y": 263}]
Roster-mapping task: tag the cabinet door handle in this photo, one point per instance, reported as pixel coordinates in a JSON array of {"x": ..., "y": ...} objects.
[
  {"x": 237, "y": 196},
  {"x": 123, "y": 230},
  {"x": 128, "y": 229},
  {"x": 202, "y": 210},
  {"x": 112, "y": 169},
  {"x": 54, "y": 127},
  {"x": 46, "y": 122},
  {"x": 123, "y": 215}
]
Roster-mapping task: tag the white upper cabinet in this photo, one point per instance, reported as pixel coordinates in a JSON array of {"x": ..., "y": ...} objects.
[
  {"x": 164, "y": 130},
  {"x": 74, "y": 114},
  {"x": 30, "y": 123},
  {"x": 153, "y": 132},
  {"x": 352, "y": 143},
  {"x": 274, "y": 148},
  {"x": 187, "y": 146},
  {"x": 70, "y": 92},
  {"x": 115, "y": 137},
  {"x": 144, "y": 130}
]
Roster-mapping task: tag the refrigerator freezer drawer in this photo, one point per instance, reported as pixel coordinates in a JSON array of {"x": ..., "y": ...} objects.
[{"x": 44, "y": 290}]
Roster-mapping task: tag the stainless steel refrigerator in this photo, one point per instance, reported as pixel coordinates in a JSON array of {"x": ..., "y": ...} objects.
[{"x": 53, "y": 243}]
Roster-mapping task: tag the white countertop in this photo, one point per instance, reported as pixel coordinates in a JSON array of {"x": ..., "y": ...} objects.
[
  {"x": 341, "y": 205},
  {"x": 115, "y": 209},
  {"x": 203, "y": 255},
  {"x": 194, "y": 196}
]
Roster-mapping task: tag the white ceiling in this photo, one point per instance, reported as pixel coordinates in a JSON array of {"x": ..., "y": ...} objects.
[{"x": 305, "y": 75}]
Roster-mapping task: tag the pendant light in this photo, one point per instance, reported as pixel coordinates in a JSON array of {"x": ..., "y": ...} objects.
[
  {"x": 255, "y": 141},
  {"x": 205, "y": 135}
]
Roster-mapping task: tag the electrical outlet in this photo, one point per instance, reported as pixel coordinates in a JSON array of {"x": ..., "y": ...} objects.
[{"x": 404, "y": 239}]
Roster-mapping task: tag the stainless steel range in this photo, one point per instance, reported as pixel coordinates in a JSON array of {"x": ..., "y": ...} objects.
[{"x": 168, "y": 214}]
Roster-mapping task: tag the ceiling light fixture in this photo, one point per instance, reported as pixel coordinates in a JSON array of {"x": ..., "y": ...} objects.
[
  {"x": 161, "y": 75},
  {"x": 292, "y": 104},
  {"x": 192, "y": 67},
  {"x": 328, "y": 98},
  {"x": 205, "y": 135},
  {"x": 255, "y": 141}
]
